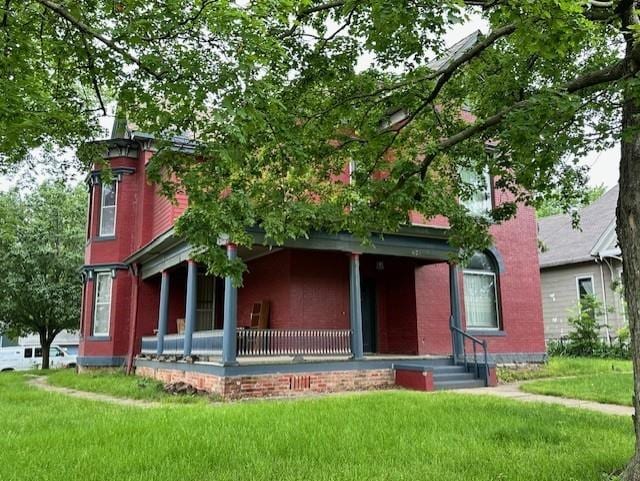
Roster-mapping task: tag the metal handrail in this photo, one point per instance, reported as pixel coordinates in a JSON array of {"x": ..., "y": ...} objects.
[{"x": 474, "y": 341}]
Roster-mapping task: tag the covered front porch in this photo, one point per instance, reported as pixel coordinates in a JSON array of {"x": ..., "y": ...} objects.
[{"x": 314, "y": 299}]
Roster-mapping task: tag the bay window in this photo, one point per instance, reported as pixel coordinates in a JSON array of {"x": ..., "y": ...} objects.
[
  {"x": 102, "y": 304},
  {"x": 108, "y": 209}
]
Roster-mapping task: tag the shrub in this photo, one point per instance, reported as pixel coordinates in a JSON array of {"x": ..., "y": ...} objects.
[{"x": 584, "y": 340}]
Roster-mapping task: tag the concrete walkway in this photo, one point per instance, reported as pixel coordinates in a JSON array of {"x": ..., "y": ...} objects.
[
  {"x": 41, "y": 382},
  {"x": 512, "y": 391}
]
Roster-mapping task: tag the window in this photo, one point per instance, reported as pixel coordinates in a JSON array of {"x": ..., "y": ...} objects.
[
  {"x": 108, "y": 209},
  {"x": 102, "y": 308},
  {"x": 481, "y": 293},
  {"x": 585, "y": 287},
  {"x": 479, "y": 202},
  {"x": 38, "y": 352},
  {"x": 28, "y": 353}
]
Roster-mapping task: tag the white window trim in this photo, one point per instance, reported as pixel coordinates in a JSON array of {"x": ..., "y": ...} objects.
[
  {"x": 579, "y": 278},
  {"x": 495, "y": 294},
  {"x": 95, "y": 304},
  {"x": 488, "y": 183},
  {"x": 115, "y": 211}
]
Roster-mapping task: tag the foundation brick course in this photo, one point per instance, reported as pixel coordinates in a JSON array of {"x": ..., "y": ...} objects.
[{"x": 275, "y": 385}]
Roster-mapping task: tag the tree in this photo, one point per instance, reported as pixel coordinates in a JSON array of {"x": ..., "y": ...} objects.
[
  {"x": 41, "y": 250},
  {"x": 553, "y": 203},
  {"x": 280, "y": 95}
]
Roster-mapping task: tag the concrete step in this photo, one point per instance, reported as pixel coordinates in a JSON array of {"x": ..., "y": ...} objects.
[
  {"x": 466, "y": 384},
  {"x": 453, "y": 376},
  {"x": 451, "y": 370}
]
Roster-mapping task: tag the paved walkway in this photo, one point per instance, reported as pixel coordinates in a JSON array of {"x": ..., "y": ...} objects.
[
  {"x": 512, "y": 391},
  {"x": 41, "y": 382}
]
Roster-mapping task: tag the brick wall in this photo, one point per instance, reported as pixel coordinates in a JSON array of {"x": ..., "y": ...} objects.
[{"x": 276, "y": 385}]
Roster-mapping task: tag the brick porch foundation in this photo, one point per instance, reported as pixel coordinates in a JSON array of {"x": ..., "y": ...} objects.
[{"x": 275, "y": 385}]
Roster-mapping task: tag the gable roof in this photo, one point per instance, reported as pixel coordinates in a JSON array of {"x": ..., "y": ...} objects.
[{"x": 595, "y": 236}]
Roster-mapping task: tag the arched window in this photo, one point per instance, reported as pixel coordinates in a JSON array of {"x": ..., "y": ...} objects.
[{"x": 481, "y": 292}]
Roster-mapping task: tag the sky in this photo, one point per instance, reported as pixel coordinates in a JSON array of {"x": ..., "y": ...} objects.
[{"x": 604, "y": 166}]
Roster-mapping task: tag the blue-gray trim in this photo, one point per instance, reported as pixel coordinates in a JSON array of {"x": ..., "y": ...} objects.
[
  {"x": 355, "y": 307},
  {"x": 417, "y": 243},
  {"x": 98, "y": 338},
  {"x": 103, "y": 238},
  {"x": 95, "y": 176},
  {"x": 486, "y": 332},
  {"x": 230, "y": 319},
  {"x": 290, "y": 367},
  {"x": 454, "y": 299},
  {"x": 118, "y": 148},
  {"x": 100, "y": 361},
  {"x": 500, "y": 265},
  {"x": 191, "y": 305},
  {"x": 517, "y": 357},
  {"x": 401, "y": 366},
  {"x": 163, "y": 314}
]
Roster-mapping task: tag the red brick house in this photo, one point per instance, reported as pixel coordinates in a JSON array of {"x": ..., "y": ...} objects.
[{"x": 336, "y": 315}]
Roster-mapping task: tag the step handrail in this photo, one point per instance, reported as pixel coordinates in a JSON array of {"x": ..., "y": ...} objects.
[{"x": 474, "y": 341}]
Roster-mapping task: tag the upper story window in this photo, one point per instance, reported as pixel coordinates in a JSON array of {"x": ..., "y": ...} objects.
[
  {"x": 108, "y": 209},
  {"x": 102, "y": 304},
  {"x": 481, "y": 292},
  {"x": 479, "y": 203}
]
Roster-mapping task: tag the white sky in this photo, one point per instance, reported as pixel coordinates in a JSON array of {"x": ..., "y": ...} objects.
[{"x": 604, "y": 166}]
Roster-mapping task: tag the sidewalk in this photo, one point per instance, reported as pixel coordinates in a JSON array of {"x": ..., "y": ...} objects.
[{"x": 512, "y": 391}]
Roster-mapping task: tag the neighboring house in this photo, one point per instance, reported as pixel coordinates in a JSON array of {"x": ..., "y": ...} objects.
[
  {"x": 69, "y": 340},
  {"x": 577, "y": 262}
]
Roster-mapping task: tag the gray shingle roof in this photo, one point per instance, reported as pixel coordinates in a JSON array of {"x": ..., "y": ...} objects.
[{"x": 566, "y": 245}]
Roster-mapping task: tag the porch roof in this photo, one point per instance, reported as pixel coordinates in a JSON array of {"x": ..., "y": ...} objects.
[{"x": 416, "y": 242}]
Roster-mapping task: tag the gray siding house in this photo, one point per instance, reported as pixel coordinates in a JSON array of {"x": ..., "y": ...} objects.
[{"x": 577, "y": 262}]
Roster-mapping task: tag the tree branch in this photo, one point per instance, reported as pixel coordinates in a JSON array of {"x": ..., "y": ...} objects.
[{"x": 84, "y": 28}]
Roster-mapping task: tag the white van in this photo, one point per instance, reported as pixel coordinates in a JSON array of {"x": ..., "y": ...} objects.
[{"x": 21, "y": 358}]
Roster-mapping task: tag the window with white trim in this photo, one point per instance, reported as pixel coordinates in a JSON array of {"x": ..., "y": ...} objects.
[
  {"x": 585, "y": 287},
  {"x": 102, "y": 304},
  {"x": 481, "y": 293},
  {"x": 479, "y": 203},
  {"x": 108, "y": 209}
]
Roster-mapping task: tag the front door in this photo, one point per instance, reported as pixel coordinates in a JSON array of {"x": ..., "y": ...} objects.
[{"x": 368, "y": 298}]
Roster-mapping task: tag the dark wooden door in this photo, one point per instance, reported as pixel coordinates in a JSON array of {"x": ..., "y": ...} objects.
[{"x": 369, "y": 321}]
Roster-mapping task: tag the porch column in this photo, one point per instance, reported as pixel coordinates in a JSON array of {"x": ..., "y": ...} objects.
[
  {"x": 163, "y": 312},
  {"x": 454, "y": 299},
  {"x": 355, "y": 307},
  {"x": 190, "y": 314},
  {"x": 230, "y": 314}
]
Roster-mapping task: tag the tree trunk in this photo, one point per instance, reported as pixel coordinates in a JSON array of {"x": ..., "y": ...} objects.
[
  {"x": 45, "y": 343},
  {"x": 628, "y": 230}
]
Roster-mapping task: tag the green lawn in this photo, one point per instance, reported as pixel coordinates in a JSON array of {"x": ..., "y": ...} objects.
[
  {"x": 613, "y": 388},
  {"x": 566, "y": 366},
  {"x": 117, "y": 384},
  {"x": 392, "y": 435}
]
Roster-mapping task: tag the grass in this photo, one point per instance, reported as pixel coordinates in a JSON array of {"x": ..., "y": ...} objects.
[
  {"x": 566, "y": 366},
  {"x": 601, "y": 380},
  {"x": 393, "y": 435},
  {"x": 117, "y": 384},
  {"x": 612, "y": 388}
]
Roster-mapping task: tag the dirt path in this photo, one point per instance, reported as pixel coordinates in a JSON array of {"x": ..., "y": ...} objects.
[
  {"x": 41, "y": 382},
  {"x": 512, "y": 391}
]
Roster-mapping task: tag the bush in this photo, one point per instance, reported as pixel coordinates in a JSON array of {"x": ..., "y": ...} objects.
[{"x": 585, "y": 340}]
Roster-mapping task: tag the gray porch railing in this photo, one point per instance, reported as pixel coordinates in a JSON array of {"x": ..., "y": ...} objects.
[
  {"x": 259, "y": 342},
  {"x": 204, "y": 343},
  {"x": 293, "y": 342},
  {"x": 474, "y": 342}
]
